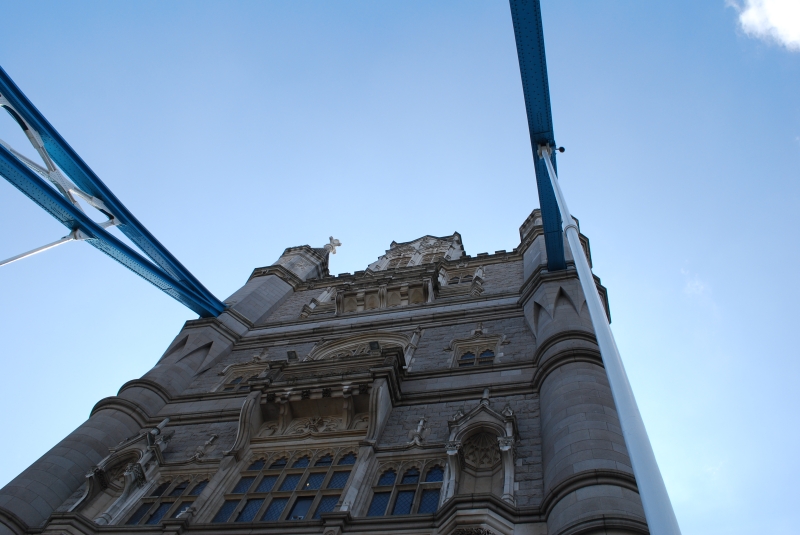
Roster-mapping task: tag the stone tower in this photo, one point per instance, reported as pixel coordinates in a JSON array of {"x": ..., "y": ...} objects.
[{"x": 433, "y": 393}]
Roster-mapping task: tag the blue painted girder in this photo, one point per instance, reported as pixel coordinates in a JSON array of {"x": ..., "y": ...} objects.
[
  {"x": 165, "y": 272},
  {"x": 527, "y": 18}
]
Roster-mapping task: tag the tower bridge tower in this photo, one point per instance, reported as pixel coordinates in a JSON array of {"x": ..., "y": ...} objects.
[{"x": 432, "y": 393}]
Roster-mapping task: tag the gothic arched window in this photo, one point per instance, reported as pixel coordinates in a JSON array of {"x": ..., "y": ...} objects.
[
  {"x": 408, "y": 495},
  {"x": 279, "y": 464},
  {"x": 486, "y": 357},
  {"x": 302, "y": 491},
  {"x": 466, "y": 359},
  {"x": 302, "y": 462},
  {"x": 258, "y": 464},
  {"x": 350, "y": 458},
  {"x": 387, "y": 478},
  {"x": 160, "y": 504},
  {"x": 436, "y": 473},
  {"x": 325, "y": 460}
]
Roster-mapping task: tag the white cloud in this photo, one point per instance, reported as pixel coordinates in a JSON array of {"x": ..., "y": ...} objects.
[
  {"x": 693, "y": 286},
  {"x": 771, "y": 20}
]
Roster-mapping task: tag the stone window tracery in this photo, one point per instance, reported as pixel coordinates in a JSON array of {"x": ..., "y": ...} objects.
[
  {"x": 480, "y": 349},
  {"x": 167, "y": 500},
  {"x": 299, "y": 486},
  {"x": 468, "y": 358},
  {"x": 410, "y": 493}
]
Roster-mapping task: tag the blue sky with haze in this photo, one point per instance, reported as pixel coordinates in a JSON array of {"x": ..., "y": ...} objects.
[{"x": 234, "y": 130}]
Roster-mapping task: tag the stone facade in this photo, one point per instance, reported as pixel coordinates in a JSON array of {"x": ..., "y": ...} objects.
[{"x": 432, "y": 393}]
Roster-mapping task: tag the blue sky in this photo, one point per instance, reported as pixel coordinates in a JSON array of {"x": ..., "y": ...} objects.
[{"x": 234, "y": 130}]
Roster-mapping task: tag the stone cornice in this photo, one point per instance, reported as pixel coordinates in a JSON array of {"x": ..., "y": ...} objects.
[
  {"x": 618, "y": 523},
  {"x": 425, "y": 314},
  {"x": 279, "y": 271},
  {"x": 130, "y": 408},
  {"x": 217, "y": 325},
  {"x": 14, "y": 523},
  {"x": 149, "y": 385},
  {"x": 587, "y": 478}
]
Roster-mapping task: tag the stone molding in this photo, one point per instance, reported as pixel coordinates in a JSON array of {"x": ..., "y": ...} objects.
[{"x": 584, "y": 479}]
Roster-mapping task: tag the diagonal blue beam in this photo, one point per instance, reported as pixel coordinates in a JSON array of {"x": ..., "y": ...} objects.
[
  {"x": 40, "y": 192},
  {"x": 80, "y": 173},
  {"x": 529, "y": 34}
]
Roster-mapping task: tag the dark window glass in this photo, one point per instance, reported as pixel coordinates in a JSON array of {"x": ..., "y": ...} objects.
[
  {"x": 179, "y": 488},
  {"x": 302, "y": 462},
  {"x": 248, "y": 512},
  {"x": 403, "y": 503},
  {"x": 301, "y": 507},
  {"x": 290, "y": 482},
  {"x": 434, "y": 474},
  {"x": 338, "y": 480},
  {"x": 252, "y": 378},
  {"x": 466, "y": 278},
  {"x": 273, "y": 512},
  {"x": 379, "y": 502},
  {"x": 314, "y": 482},
  {"x": 325, "y": 460},
  {"x": 429, "y": 501},
  {"x": 243, "y": 484},
  {"x": 139, "y": 514},
  {"x": 181, "y": 508},
  {"x": 467, "y": 359},
  {"x": 267, "y": 483},
  {"x": 454, "y": 280},
  {"x": 257, "y": 465},
  {"x": 159, "y": 513},
  {"x": 387, "y": 478},
  {"x": 326, "y": 505},
  {"x": 236, "y": 381},
  {"x": 198, "y": 488},
  {"x": 227, "y": 389},
  {"x": 486, "y": 357},
  {"x": 160, "y": 489},
  {"x": 411, "y": 476},
  {"x": 277, "y": 465},
  {"x": 244, "y": 387},
  {"x": 350, "y": 458},
  {"x": 225, "y": 511}
]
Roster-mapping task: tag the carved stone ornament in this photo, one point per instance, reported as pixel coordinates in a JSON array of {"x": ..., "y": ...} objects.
[
  {"x": 452, "y": 447},
  {"x": 481, "y": 451},
  {"x": 315, "y": 424},
  {"x": 101, "y": 477},
  {"x": 472, "y": 531},
  {"x": 505, "y": 443},
  {"x": 138, "y": 473}
]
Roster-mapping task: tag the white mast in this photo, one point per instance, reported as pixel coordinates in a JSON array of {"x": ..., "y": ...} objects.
[{"x": 657, "y": 507}]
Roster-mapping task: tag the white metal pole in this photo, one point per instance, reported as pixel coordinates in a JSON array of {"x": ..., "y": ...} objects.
[
  {"x": 657, "y": 507},
  {"x": 43, "y": 248}
]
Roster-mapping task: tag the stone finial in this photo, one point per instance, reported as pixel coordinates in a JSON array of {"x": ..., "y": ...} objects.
[{"x": 334, "y": 243}]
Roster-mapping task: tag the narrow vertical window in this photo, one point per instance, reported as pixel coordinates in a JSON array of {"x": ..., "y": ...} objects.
[
  {"x": 273, "y": 512},
  {"x": 225, "y": 511},
  {"x": 403, "y": 503},
  {"x": 248, "y": 512},
  {"x": 300, "y": 508},
  {"x": 159, "y": 513},
  {"x": 429, "y": 501},
  {"x": 326, "y": 505},
  {"x": 197, "y": 489},
  {"x": 379, "y": 502}
]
